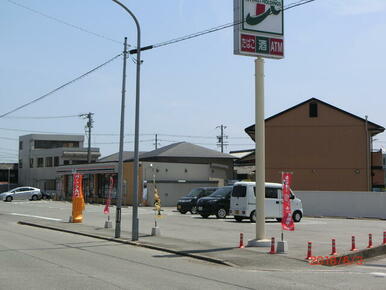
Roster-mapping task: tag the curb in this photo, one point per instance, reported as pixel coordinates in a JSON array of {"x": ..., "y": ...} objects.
[
  {"x": 356, "y": 257},
  {"x": 138, "y": 244}
]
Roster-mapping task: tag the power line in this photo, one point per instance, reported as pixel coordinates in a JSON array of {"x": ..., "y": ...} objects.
[
  {"x": 126, "y": 142},
  {"x": 296, "y": 4},
  {"x": 42, "y": 117},
  {"x": 211, "y": 30},
  {"x": 7, "y": 149},
  {"x": 115, "y": 134},
  {"x": 34, "y": 131},
  {"x": 61, "y": 87},
  {"x": 63, "y": 22},
  {"x": 7, "y": 138}
]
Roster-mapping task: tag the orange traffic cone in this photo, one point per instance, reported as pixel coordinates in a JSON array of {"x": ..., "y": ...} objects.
[
  {"x": 272, "y": 251},
  {"x": 333, "y": 248},
  {"x": 309, "y": 251},
  {"x": 241, "y": 244}
]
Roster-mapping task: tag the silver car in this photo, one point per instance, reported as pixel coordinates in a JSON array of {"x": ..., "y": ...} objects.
[{"x": 19, "y": 193}]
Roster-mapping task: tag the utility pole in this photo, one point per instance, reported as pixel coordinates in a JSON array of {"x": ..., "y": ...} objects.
[
  {"x": 156, "y": 143},
  {"x": 135, "y": 221},
  {"x": 118, "y": 214},
  {"x": 221, "y": 138},
  {"x": 9, "y": 177},
  {"x": 89, "y": 126}
]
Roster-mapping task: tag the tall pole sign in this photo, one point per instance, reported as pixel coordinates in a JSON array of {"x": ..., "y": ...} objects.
[
  {"x": 259, "y": 32},
  {"x": 260, "y": 28}
]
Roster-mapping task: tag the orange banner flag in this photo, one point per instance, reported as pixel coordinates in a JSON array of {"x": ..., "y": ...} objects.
[{"x": 77, "y": 199}]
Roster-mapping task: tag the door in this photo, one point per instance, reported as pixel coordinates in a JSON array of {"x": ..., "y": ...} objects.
[
  {"x": 24, "y": 193},
  {"x": 239, "y": 199},
  {"x": 272, "y": 202},
  {"x": 18, "y": 193}
]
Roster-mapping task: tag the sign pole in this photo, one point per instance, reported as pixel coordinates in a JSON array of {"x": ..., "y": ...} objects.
[
  {"x": 260, "y": 240},
  {"x": 259, "y": 33}
]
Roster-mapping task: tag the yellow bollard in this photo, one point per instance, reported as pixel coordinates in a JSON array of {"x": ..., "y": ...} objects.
[{"x": 157, "y": 202}]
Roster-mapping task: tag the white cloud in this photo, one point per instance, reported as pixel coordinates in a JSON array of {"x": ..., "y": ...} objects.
[{"x": 357, "y": 7}]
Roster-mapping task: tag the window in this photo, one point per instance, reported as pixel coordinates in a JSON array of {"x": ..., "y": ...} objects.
[
  {"x": 48, "y": 161},
  {"x": 56, "y": 161},
  {"x": 313, "y": 110},
  {"x": 239, "y": 191},
  {"x": 47, "y": 144},
  {"x": 271, "y": 192},
  {"x": 66, "y": 162},
  {"x": 20, "y": 145},
  {"x": 40, "y": 162},
  {"x": 20, "y": 163},
  {"x": 31, "y": 163}
]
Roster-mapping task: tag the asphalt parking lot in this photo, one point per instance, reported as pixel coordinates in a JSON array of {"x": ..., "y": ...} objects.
[{"x": 219, "y": 233}]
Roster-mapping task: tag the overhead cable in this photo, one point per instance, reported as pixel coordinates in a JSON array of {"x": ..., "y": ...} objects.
[
  {"x": 42, "y": 117},
  {"x": 211, "y": 30},
  {"x": 64, "y": 22},
  {"x": 61, "y": 87}
]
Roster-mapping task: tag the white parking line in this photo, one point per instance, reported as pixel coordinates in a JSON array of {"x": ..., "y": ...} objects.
[{"x": 36, "y": 216}]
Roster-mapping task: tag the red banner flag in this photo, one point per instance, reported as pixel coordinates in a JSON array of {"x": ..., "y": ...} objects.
[
  {"x": 108, "y": 200},
  {"x": 287, "y": 222},
  {"x": 77, "y": 199}
]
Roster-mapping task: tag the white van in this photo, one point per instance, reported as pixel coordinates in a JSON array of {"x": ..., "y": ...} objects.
[{"x": 243, "y": 202}]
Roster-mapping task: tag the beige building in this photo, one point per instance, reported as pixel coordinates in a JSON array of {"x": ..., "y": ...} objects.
[
  {"x": 325, "y": 147},
  {"x": 174, "y": 169}
]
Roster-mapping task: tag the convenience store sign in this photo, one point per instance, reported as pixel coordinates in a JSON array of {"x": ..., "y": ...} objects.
[{"x": 259, "y": 30}]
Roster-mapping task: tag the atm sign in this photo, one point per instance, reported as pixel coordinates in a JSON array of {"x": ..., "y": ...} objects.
[{"x": 271, "y": 47}]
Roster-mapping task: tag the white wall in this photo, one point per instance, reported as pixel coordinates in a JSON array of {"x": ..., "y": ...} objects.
[{"x": 343, "y": 203}]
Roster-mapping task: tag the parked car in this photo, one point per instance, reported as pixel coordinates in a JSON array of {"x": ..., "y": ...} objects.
[
  {"x": 189, "y": 202},
  {"x": 19, "y": 193},
  {"x": 243, "y": 202},
  {"x": 217, "y": 203}
]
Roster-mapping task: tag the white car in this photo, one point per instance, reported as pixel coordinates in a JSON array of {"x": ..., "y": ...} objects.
[
  {"x": 243, "y": 202},
  {"x": 19, "y": 193}
]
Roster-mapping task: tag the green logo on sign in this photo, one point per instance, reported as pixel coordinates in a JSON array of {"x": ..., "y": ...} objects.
[{"x": 254, "y": 20}]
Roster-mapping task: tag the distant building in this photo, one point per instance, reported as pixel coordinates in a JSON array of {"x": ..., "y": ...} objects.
[
  {"x": 40, "y": 154},
  {"x": 244, "y": 165},
  {"x": 176, "y": 169},
  {"x": 384, "y": 167},
  {"x": 325, "y": 148}
]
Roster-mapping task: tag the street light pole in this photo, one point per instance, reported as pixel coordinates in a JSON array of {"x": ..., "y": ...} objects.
[{"x": 135, "y": 226}]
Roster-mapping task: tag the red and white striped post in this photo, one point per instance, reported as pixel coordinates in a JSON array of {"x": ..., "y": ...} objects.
[
  {"x": 384, "y": 238},
  {"x": 353, "y": 248},
  {"x": 370, "y": 241},
  {"x": 272, "y": 251},
  {"x": 309, "y": 251},
  {"x": 241, "y": 243},
  {"x": 333, "y": 247}
]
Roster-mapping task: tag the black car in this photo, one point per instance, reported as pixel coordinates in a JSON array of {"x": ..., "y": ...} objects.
[
  {"x": 189, "y": 202},
  {"x": 217, "y": 203}
]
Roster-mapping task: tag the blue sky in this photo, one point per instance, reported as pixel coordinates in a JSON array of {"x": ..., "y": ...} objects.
[{"x": 334, "y": 52}]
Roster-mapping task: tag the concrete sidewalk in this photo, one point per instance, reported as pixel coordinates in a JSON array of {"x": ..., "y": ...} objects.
[{"x": 249, "y": 258}]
